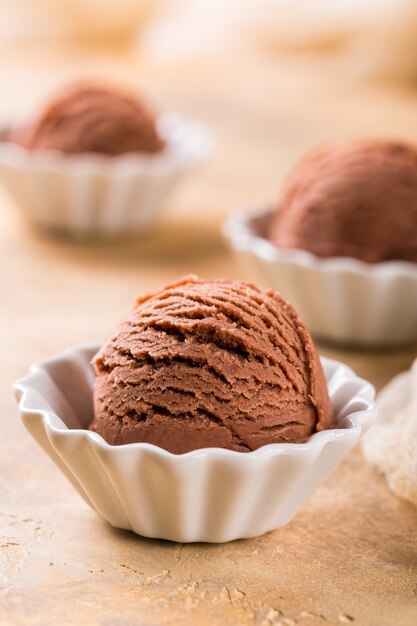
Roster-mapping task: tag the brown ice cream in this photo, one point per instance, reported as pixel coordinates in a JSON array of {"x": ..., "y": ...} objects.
[
  {"x": 354, "y": 199},
  {"x": 92, "y": 119},
  {"x": 213, "y": 363}
]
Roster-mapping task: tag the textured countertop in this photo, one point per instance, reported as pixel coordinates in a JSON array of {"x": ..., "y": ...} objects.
[{"x": 350, "y": 556}]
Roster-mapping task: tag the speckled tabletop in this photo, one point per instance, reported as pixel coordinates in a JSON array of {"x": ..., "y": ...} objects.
[{"x": 350, "y": 556}]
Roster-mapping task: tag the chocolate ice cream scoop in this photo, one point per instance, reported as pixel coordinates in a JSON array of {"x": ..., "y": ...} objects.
[
  {"x": 354, "y": 199},
  {"x": 92, "y": 119},
  {"x": 210, "y": 363}
]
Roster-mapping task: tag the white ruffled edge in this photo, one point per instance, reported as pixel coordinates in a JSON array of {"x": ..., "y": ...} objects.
[
  {"x": 351, "y": 424},
  {"x": 186, "y": 142},
  {"x": 239, "y": 230}
]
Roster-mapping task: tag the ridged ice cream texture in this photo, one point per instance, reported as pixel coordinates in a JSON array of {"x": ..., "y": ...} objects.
[
  {"x": 356, "y": 198},
  {"x": 92, "y": 118},
  {"x": 210, "y": 363}
]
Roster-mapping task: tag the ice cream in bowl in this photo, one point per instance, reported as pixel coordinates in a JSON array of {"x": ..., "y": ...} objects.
[
  {"x": 341, "y": 242},
  {"x": 97, "y": 161},
  {"x": 207, "y": 415}
]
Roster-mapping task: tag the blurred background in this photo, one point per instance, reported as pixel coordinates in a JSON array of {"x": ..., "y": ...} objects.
[{"x": 269, "y": 78}]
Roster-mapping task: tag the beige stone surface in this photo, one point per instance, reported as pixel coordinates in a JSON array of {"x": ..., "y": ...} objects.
[{"x": 350, "y": 556}]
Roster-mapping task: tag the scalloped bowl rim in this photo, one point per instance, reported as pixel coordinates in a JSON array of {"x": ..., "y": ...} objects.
[
  {"x": 168, "y": 124},
  {"x": 23, "y": 390},
  {"x": 237, "y": 228}
]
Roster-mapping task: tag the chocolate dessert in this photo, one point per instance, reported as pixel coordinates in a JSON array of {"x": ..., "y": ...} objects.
[
  {"x": 354, "y": 199},
  {"x": 92, "y": 119},
  {"x": 210, "y": 363}
]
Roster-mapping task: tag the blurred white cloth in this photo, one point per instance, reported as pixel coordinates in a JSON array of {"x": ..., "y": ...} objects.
[{"x": 391, "y": 444}]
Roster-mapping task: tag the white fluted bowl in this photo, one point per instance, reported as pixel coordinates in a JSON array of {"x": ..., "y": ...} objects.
[
  {"x": 93, "y": 195},
  {"x": 339, "y": 299},
  {"x": 211, "y": 494}
]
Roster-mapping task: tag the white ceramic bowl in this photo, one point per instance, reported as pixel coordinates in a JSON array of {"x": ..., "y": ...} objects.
[
  {"x": 90, "y": 195},
  {"x": 339, "y": 299},
  {"x": 211, "y": 494}
]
